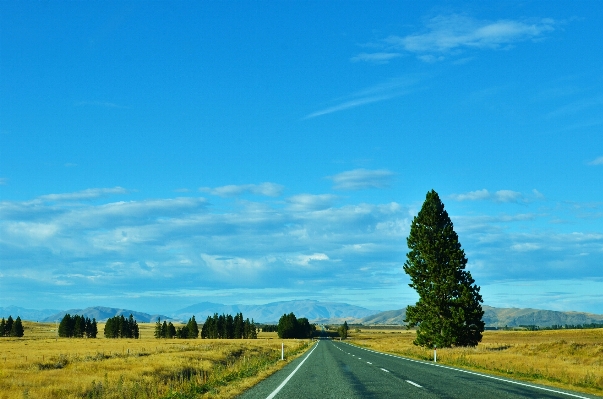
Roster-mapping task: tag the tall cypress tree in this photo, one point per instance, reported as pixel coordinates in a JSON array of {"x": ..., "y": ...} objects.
[{"x": 449, "y": 310}]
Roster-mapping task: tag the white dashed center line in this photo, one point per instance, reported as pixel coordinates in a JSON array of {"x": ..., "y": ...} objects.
[
  {"x": 414, "y": 383},
  {"x": 387, "y": 371}
]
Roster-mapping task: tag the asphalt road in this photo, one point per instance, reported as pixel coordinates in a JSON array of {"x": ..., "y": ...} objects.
[{"x": 333, "y": 369}]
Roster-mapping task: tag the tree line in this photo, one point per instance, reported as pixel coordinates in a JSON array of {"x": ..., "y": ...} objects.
[
  {"x": 77, "y": 326},
  {"x": 168, "y": 330},
  {"x": 269, "y": 328},
  {"x": 11, "y": 328},
  {"x": 228, "y": 327},
  {"x": 290, "y": 326},
  {"x": 120, "y": 327}
]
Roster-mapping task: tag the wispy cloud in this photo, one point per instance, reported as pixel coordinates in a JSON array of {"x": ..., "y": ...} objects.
[
  {"x": 451, "y": 34},
  {"x": 310, "y": 202},
  {"x": 266, "y": 189},
  {"x": 596, "y": 161},
  {"x": 87, "y": 194},
  {"x": 498, "y": 196},
  {"x": 379, "y": 92},
  {"x": 377, "y": 58},
  {"x": 3, "y": 181},
  {"x": 359, "y": 179}
]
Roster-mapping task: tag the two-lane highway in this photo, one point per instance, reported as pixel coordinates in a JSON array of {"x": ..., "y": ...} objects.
[{"x": 334, "y": 369}]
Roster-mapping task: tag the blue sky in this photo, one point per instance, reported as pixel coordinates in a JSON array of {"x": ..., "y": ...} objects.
[{"x": 156, "y": 154}]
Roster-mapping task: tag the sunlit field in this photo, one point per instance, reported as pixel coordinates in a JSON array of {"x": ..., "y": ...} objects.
[
  {"x": 570, "y": 359},
  {"x": 39, "y": 365}
]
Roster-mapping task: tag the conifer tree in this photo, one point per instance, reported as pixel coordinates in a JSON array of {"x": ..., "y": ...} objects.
[
  {"x": 17, "y": 329},
  {"x": 2, "y": 327},
  {"x": 449, "y": 309},
  {"x": 192, "y": 328},
  {"x": 171, "y": 331},
  {"x": 9, "y": 326},
  {"x": 157, "y": 332}
]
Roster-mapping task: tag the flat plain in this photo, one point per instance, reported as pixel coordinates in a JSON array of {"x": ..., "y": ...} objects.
[
  {"x": 569, "y": 359},
  {"x": 39, "y": 365}
]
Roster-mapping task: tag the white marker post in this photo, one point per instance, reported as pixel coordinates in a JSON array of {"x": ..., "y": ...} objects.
[
  {"x": 282, "y": 351},
  {"x": 435, "y": 354}
]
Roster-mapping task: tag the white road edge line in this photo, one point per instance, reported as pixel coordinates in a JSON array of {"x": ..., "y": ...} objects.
[
  {"x": 414, "y": 383},
  {"x": 273, "y": 394},
  {"x": 387, "y": 371},
  {"x": 482, "y": 375}
]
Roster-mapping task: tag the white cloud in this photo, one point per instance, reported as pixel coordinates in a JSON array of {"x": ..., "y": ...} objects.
[
  {"x": 87, "y": 194},
  {"x": 359, "y": 179},
  {"x": 92, "y": 250},
  {"x": 310, "y": 202},
  {"x": 305, "y": 260},
  {"x": 525, "y": 247},
  {"x": 507, "y": 196},
  {"x": 446, "y": 33},
  {"x": 480, "y": 195},
  {"x": 596, "y": 161},
  {"x": 378, "y": 58},
  {"x": 472, "y": 196},
  {"x": 3, "y": 181},
  {"x": 266, "y": 189}
]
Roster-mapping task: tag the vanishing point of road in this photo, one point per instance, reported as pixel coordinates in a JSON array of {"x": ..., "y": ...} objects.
[{"x": 332, "y": 369}]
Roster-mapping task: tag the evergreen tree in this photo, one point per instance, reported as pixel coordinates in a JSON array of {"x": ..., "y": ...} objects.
[
  {"x": 157, "y": 332},
  {"x": 92, "y": 329},
  {"x": 65, "y": 326},
  {"x": 9, "y": 326},
  {"x": 253, "y": 332},
  {"x": 343, "y": 330},
  {"x": 78, "y": 328},
  {"x": 287, "y": 326},
  {"x": 2, "y": 327},
  {"x": 17, "y": 329},
  {"x": 164, "y": 330},
  {"x": 192, "y": 328},
  {"x": 449, "y": 309},
  {"x": 171, "y": 331}
]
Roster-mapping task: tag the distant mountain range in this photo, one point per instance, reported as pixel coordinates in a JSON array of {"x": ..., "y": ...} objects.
[
  {"x": 315, "y": 311},
  {"x": 501, "y": 317},
  {"x": 321, "y": 312},
  {"x": 100, "y": 313}
]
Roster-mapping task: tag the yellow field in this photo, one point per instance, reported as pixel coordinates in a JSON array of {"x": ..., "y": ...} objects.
[
  {"x": 571, "y": 359},
  {"x": 41, "y": 366}
]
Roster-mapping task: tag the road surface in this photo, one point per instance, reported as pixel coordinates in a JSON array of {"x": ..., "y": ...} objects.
[{"x": 333, "y": 369}]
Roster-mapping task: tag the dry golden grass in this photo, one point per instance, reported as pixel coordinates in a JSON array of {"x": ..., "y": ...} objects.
[
  {"x": 41, "y": 366},
  {"x": 570, "y": 359}
]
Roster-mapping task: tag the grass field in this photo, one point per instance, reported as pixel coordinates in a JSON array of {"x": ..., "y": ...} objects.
[
  {"x": 570, "y": 359},
  {"x": 41, "y": 366}
]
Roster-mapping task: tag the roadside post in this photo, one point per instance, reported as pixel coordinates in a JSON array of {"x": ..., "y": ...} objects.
[
  {"x": 282, "y": 351},
  {"x": 435, "y": 354}
]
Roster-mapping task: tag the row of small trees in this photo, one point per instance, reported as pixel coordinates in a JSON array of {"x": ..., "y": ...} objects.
[
  {"x": 120, "y": 327},
  {"x": 168, "y": 330},
  {"x": 77, "y": 326},
  {"x": 11, "y": 328},
  {"x": 290, "y": 326},
  {"x": 228, "y": 327}
]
